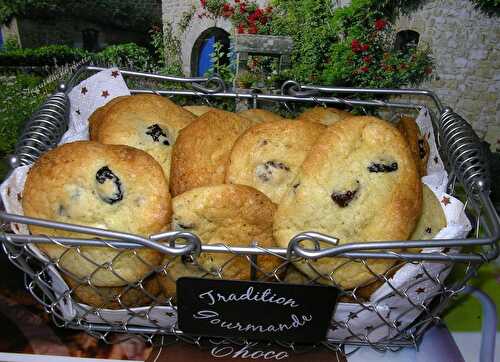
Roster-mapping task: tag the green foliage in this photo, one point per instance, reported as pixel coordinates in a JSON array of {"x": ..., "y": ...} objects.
[
  {"x": 48, "y": 55},
  {"x": 18, "y": 101},
  {"x": 221, "y": 64},
  {"x": 350, "y": 46},
  {"x": 168, "y": 50},
  {"x": 10, "y": 44},
  {"x": 127, "y": 14},
  {"x": 128, "y": 55},
  {"x": 490, "y": 7}
]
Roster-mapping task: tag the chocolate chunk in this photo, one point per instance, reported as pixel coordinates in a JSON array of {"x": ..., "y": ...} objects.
[
  {"x": 343, "y": 199},
  {"x": 109, "y": 186},
  {"x": 381, "y": 167},
  {"x": 428, "y": 230},
  {"x": 265, "y": 171},
  {"x": 156, "y": 133}
]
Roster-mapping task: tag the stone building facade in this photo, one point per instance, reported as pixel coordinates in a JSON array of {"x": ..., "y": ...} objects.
[
  {"x": 465, "y": 44},
  {"x": 466, "y": 47},
  {"x": 174, "y": 10}
]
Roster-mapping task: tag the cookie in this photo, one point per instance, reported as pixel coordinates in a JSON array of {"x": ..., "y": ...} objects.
[
  {"x": 136, "y": 295},
  {"x": 178, "y": 267},
  {"x": 202, "y": 150},
  {"x": 432, "y": 219},
  {"x": 359, "y": 183},
  {"x": 260, "y": 115},
  {"x": 99, "y": 114},
  {"x": 233, "y": 215},
  {"x": 104, "y": 186},
  {"x": 419, "y": 146},
  {"x": 326, "y": 116},
  {"x": 146, "y": 121},
  {"x": 198, "y": 110},
  {"x": 268, "y": 155}
]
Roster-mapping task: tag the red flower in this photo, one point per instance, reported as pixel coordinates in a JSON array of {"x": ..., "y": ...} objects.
[
  {"x": 269, "y": 9},
  {"x": 367, "y": 59},
  {"x": 364, "y": 47},
  {"x": 241, "y": 29},
  {"x": 252, "y": 29},
  {"x": 356, "y": 46},
  {"x": 203, "y": 3},
  {"x": 263, "y": 20},
  {"x": 227, "y": 7},
  {"x": 428, "y": 70},
  {"x": 380, "y": 24},
  {"x": 236, "y": 1},
  {"x": 258, "y": 13},
  {"x": 243, "y": 7},
  {"x": 363, "y": 69}
]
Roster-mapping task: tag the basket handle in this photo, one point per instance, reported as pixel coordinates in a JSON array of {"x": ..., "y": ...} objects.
[
  {"x": 464, "y": 153},
  {"x": 43, "y": 130}
]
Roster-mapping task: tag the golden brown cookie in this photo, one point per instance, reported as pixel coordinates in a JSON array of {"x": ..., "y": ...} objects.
[
  {"x": 419, "y": 146},
  {"x": 178, "y": 267},
  {"x": 268, "y": 155},
  {"x": 359, "y": 183},
  {"x": 104, "y": 186},
  {"x": 326, "y": 116},
  {"x": 260, "y": 115},
  {"x": 233, "y": 215},
  {"x": 432, "y": 219},
  {"x": 136, "y": 295},
  {"x": 202, "y": 150},
  {"x": 146, "y": 121},
  {"x": 100, "y": 113},
  {"x": 198, "y": 110}
]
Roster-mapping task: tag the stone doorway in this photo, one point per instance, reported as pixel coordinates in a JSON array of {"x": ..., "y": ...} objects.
[{"x": 201, "y": 60}]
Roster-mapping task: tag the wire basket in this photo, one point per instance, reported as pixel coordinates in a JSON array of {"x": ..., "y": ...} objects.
[{"x": 459, "y": 147}]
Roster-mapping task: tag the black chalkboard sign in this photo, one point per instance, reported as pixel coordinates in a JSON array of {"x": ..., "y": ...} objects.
[{"x": 255, "y": 310}]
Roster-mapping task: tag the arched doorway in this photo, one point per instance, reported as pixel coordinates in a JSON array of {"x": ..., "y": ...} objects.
[{"x": 201, "y": 61}]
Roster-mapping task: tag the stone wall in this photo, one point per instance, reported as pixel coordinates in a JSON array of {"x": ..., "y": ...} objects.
[
  {"x": 173, "y": 11},
  {"x": 466, "y": 48}
]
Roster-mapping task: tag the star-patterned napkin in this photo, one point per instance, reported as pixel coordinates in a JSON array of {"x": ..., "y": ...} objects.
[{"x": 89, "y": 95}]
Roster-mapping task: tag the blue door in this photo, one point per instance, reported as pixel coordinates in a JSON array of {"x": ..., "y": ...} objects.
[
  {"x": 1, "y": 39},
  {"x": 205, "y": 60}
]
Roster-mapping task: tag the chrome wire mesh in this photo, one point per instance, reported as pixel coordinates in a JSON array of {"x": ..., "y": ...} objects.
[{"x": 149, "y": 307}]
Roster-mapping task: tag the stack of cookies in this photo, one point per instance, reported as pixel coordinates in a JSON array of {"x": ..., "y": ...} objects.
[{"x": 235, "y": 179}]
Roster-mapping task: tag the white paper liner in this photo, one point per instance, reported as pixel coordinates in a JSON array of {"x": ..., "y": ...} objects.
[{"x": 375, "y": 320}]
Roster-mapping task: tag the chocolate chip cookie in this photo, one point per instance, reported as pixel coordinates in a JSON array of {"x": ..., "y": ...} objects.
[
  {"x": 202, "y": 150},
  {"x": 268, "y": 155},
  {"x": 326, "y": 116},
  {"x": 230, "y": 215},
  {"x": 104, "y": 186},
  {"x": 359, "y": 183},
  {"x": 260, "y": 115},
  {"x": 147, "y": 121}
]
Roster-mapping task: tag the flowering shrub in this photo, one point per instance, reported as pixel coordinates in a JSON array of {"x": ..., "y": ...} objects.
[
  {"x": 245, "y": 15},
  {"x": 349, "y": 46}
]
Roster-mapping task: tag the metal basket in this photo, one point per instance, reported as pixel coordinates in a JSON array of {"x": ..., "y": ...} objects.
[{"x": 460, "y": 149}]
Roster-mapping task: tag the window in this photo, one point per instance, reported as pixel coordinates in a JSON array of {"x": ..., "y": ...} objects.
[{"x": 406, "y": 39}]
